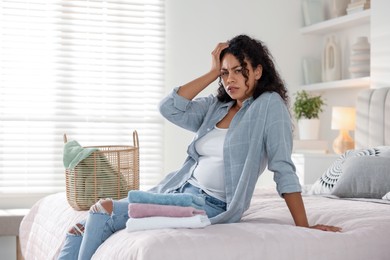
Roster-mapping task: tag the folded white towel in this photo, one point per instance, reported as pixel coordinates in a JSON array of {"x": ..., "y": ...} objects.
[{"x": 136, "y": 224}]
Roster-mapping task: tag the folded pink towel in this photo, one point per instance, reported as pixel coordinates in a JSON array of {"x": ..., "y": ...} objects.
[{"x": 141, "y": 210}]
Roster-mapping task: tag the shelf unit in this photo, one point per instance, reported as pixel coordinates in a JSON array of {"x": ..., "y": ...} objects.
[
  {"x": 305, "y": 163},
  {"x": 332, "y": 25},
  {"x": 338, "y": 23}
]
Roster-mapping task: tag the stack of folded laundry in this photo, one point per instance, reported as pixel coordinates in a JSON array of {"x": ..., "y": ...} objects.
[{"x": 165, "y": 210}]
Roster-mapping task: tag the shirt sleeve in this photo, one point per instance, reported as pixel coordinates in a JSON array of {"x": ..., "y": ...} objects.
[
  {"x": 188, "y": 114},
  {"x": 278, "y": 138}
]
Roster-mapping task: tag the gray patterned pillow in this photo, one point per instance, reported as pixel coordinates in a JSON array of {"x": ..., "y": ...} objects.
[
  {"x": 326, "y": 183},
  {"x": 364, "y": 177}
]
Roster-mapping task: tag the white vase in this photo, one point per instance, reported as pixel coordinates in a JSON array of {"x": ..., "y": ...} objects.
[
  {"x": 337, "y": 8},
  {"x": 360, "y": 58},
  {"x": 331, "y": 60},
  {"x": 309, "y": 129}
]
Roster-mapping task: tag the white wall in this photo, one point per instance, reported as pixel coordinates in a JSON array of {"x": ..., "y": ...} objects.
[{"x": 380, "y": 42}]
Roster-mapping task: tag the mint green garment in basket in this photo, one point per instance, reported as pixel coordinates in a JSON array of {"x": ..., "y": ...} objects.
[{"x": 91, "y": 176}]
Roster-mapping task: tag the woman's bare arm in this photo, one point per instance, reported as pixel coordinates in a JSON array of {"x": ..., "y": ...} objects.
[{"x": 297, "y": 209}]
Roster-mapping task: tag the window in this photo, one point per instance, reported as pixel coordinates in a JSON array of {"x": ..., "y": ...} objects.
[{"x": 92, "y": 69}]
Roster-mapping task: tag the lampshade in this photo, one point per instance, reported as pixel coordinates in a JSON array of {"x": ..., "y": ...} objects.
[{"x": 343, "y": 118}]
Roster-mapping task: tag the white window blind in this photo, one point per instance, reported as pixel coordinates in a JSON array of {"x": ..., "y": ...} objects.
[{"x": 92, "y": 69}]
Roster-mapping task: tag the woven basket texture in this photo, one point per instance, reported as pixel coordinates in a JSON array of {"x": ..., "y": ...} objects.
[{"x": 110, "y": 172}]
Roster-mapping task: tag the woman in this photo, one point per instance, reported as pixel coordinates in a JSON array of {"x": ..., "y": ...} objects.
[{"x": 238, "y": 132}]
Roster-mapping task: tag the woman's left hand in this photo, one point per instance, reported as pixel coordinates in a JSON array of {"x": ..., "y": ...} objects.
[{"x": 326, "y": 228}]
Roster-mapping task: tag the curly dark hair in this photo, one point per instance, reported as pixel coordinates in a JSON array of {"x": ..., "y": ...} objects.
[{"x": 244, "y": 47}]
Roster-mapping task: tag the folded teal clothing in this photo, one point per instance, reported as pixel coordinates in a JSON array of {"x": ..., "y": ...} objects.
[
  {"x": 95, "y": 177},
  {"x": 74, "y": 153},
  {"x": 176, "y": 199}
]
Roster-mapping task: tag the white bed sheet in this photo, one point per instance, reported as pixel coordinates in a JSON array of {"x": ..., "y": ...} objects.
[{"x": 265, "y": 232}]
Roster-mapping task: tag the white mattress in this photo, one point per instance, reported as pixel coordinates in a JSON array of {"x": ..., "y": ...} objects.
[{"x": 265, "y": 232}]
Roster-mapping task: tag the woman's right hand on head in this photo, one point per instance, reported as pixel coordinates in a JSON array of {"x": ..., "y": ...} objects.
[
  {"x": 215, "y": 62},
  {"x": 194, "y": 87}
]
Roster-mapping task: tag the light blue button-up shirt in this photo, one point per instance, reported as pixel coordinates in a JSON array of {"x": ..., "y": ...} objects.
[{"x": 259, "y": 134}]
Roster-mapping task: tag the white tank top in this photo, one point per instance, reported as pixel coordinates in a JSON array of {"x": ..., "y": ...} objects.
[{"x": 209, "y": 174}]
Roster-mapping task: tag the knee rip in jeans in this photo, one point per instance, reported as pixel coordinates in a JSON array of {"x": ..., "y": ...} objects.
[
  {"x": 102, "y": 206},
  {"x": 77, "y": 230}
]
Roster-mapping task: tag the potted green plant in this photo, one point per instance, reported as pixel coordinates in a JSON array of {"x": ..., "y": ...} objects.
[{"x": 306, "y": 109}]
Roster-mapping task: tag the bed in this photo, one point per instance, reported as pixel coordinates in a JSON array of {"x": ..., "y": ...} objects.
[{"x": 266, "y": 230}]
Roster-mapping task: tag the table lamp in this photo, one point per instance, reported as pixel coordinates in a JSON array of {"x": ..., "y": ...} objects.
[{"x": 343, "y": 119}]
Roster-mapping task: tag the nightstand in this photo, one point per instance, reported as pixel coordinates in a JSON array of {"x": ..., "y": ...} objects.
[{"x": 310, "y": 166}]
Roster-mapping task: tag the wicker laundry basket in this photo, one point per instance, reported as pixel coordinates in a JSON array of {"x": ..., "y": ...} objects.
[{"x": 108, "y": 172}]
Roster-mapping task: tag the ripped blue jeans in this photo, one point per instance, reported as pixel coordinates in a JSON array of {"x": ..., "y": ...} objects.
[{"x": 100, "y": 225}]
